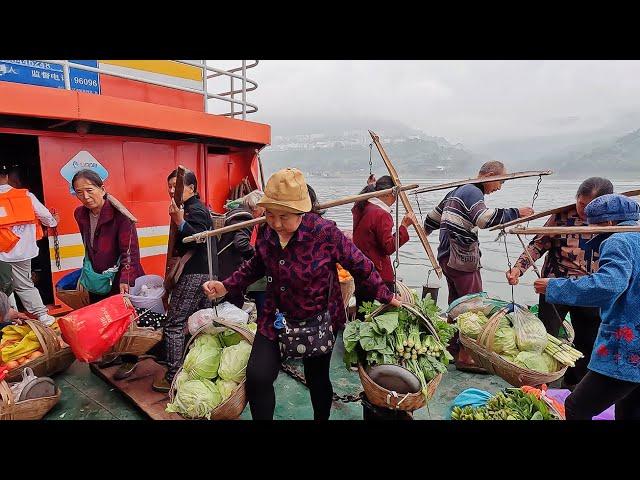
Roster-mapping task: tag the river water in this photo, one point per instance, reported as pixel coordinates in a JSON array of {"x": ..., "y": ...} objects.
[{"x": 415, "y": 268}]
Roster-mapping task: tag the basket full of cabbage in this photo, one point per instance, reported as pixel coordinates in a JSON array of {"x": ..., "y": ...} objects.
[
  {"x": 515, "y": 346},
  {"x": 211, "y": 382}
]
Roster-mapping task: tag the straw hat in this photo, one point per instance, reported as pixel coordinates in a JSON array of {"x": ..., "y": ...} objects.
[{"x": 287, "y": 190}]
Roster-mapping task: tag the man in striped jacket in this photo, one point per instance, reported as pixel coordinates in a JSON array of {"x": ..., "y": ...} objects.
[{"x": 459, "y": 216}]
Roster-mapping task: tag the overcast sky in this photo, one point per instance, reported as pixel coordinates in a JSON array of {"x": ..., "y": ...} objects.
[{"x": 472, "y": 102}]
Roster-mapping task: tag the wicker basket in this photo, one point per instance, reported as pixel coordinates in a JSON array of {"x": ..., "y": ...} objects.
[
  {"x": 348, "y": 288},
  {"x": 55, "y": 359},
  {"x": 406, "y": 295},
  {"x": 75, "y": 299},
  {"x": 381, "y": 397},
  {"x": 482, "y": 354},
  {"x": 136, "y": 340},
  {"x": 384, "y": 398},
  {"x": 33, "y": 409},
  {"x": 233, "y": 406}
]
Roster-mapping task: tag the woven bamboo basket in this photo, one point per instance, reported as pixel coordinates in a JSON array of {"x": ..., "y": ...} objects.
[
  {"x": 55, "y": 359},
  {"x": 406, "y": 295},
  {"x": 75, "y": 299},
  {"x": 33, "y": 409},
  {"x": 136, "y": 340},
  {"x": 482, "y": 353},
  {"x": 384, "y": 398},
  {"x": 233, "y": 406}
]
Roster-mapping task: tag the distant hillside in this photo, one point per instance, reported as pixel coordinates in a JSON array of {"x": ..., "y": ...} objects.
[
  {"x": 620, "y": 155},
  {"x": 412, "y": 152}
]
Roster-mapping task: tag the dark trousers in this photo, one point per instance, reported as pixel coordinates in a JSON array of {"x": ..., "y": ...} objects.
[
  {"x": 258, "y": 297},
  {"x": 460, "y": 283},
  {"x": 363, "y": 296},
  {"x": 262, "y": 371},
  {"x": 584, "y": 320},
  {"x": 186, "y": 299},
  {"x": 596, "y": 392}
]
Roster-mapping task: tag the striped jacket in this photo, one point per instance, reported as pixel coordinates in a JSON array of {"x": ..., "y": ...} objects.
[{"x": 461, "y": 213}]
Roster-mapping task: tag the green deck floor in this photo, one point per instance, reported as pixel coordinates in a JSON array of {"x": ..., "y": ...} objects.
[{"x": 87, "y": 397}]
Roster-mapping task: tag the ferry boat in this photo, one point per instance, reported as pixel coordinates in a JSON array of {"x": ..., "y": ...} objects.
[{"x": 133, "y": 122}]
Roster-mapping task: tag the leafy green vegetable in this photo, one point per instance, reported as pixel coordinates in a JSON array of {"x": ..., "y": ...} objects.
[
  {"x": 504, "y": 341},
  {"x": 532, "y": 361},
  {"x": 209, "y": 340},
  {"x": 225, "y": 387},
  {"x": 351, "y": 335},
  {"x": 203, "y": 360},
  {"x": 233, "y": 361},
  {"x": 195, "y": 399},
  {"x": 386, "y": 322}
]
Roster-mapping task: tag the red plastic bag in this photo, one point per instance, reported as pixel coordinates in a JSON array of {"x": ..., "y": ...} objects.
[{"x": 92, "y": 330}]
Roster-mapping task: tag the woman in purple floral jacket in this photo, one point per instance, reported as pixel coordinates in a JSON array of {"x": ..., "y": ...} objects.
[{"x": 297, "y": 251}]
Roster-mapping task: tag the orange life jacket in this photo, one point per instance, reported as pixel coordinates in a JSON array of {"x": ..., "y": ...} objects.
[{"x": 16, "y": 209}]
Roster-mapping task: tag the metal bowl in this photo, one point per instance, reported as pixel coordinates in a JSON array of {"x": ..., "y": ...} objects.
[{"x": 394, "y": 378}]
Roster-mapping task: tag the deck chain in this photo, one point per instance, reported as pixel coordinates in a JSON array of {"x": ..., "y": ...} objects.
[{"x": 299, "y": 376}]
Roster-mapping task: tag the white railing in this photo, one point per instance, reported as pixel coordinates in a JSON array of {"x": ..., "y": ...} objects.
[{"x": 230, "y": 96}]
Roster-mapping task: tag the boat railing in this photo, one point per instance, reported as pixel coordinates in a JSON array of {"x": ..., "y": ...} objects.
[{"x": 235, "y": 96}]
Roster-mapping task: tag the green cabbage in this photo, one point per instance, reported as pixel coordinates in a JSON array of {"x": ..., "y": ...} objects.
[
  {"x": 552, "y": 363},
  {"x": 202, "y": 361},
  {"x": 533, "y": 361},
  {"x": 181, "y": 378},
  {"x": 225, "y": 387},
  {"x": 195, "y": 399},
  {"x": 209, "y": 340},
  {"x": 233, "y": 361},
  {"x": 504, "y": 341},
  {"x": 471, "y": 323},
  {"x": 230, "y": 337}
]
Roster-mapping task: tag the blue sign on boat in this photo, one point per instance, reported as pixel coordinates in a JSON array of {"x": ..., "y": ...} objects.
[{"x": 44, "y": 74}]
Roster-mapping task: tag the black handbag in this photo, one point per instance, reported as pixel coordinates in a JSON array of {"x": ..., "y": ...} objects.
[{"x": 310, "y": 337}]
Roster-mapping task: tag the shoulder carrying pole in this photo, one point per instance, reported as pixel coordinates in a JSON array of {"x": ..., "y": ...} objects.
[{"x": 422, "y": 235}]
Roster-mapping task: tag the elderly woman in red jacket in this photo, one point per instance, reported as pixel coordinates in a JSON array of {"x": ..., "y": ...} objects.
[
  {"x": 108, "y": 236},
  {"x": 373, "y": 233}
]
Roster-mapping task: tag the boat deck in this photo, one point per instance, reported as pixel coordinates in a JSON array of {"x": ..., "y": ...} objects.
[{"x": 86, "y": 396}]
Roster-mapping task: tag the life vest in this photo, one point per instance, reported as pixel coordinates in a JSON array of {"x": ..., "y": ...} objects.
[{"x": 16, "y": 209}]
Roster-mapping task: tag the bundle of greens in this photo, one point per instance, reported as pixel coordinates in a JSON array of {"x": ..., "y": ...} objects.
[
  {"x": 510, "y": 404},
  {"x": 398, "y": 337}
]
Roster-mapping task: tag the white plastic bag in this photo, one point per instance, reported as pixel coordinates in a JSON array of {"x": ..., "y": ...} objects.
[
  {"x": 147, "y": 293},
  {"x": 225, "y": 310},
  {"x": 531, "y": 334}
]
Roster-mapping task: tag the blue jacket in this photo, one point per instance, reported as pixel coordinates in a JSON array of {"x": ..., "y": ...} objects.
[{"x": 615, "y": 288}]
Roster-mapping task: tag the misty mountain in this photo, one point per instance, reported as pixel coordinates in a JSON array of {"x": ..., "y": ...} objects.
[
  {"x": 619, "y": 155},
  {"x": 342, "y": 147}
]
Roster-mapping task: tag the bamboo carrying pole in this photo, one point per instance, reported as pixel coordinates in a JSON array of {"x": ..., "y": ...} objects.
[
  {"x": 572, "y": 230},
  {"x": 257, "y": 221},
  {"x": 173, "y": 228},
  {"x": 422, "y": 235},
  {"x": 121, "y": 208},
  {"x": 494, "y": 178},
  {"x": 552, "y": 211}
]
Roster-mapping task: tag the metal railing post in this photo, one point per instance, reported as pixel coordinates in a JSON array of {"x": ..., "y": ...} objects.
[
  {"x": 205, "y": 86},
  {"x": 244, "y": 89},
  {"x": 233, "y": 115},
  {"x": 66, "y": 74}
]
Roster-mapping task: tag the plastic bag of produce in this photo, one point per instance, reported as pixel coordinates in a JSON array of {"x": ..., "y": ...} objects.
[
  {"x": 531, "y": 335},
  {"x": 469, "y": 303},
  {"x": 92, "y": 330}
]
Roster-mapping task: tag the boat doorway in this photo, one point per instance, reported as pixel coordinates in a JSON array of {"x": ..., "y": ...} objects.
[{"x": 22, "y": 156}]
